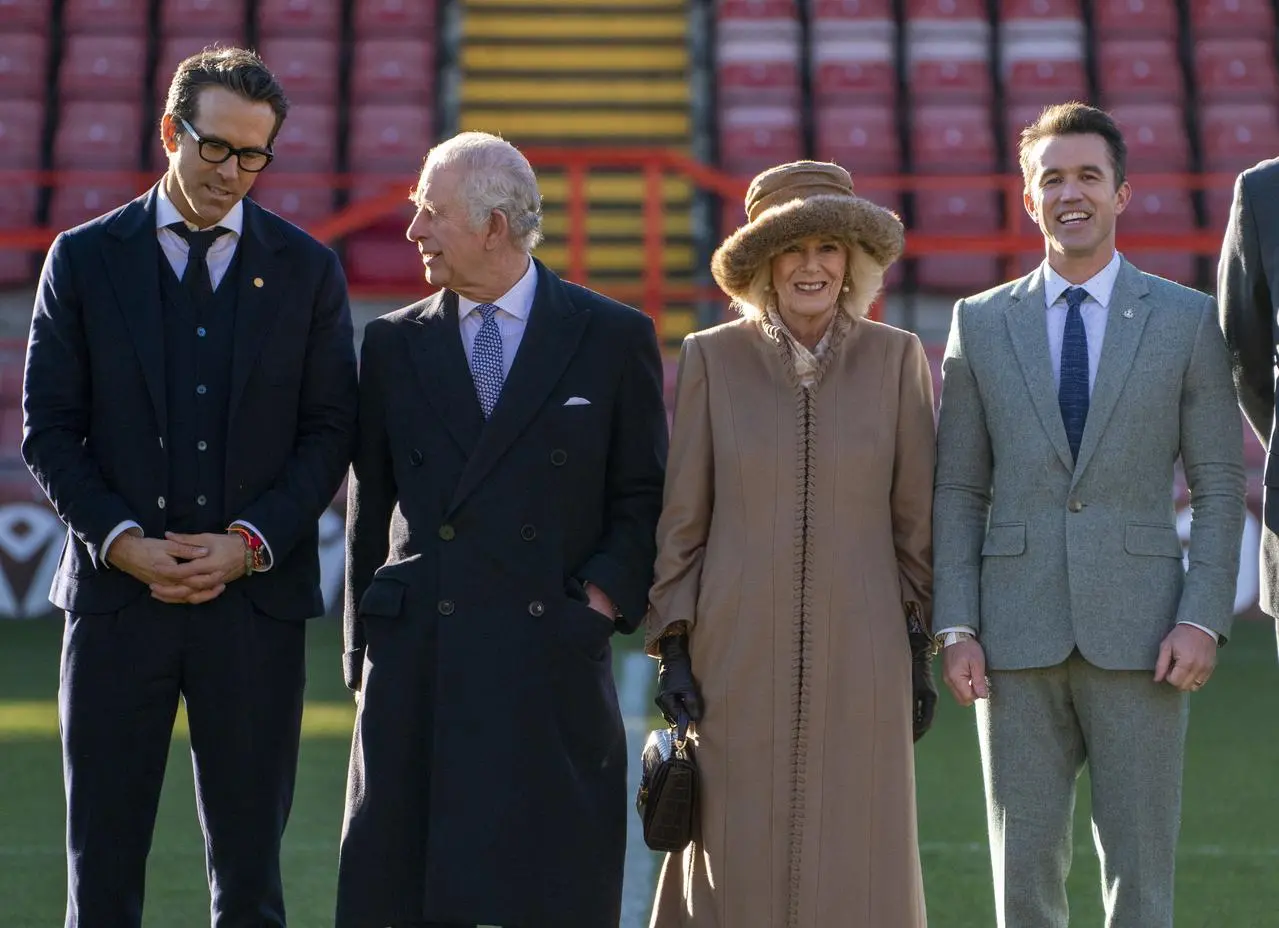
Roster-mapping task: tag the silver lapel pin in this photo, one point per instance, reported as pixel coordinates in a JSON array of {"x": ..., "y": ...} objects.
[{"x": 1127, "y": 313}]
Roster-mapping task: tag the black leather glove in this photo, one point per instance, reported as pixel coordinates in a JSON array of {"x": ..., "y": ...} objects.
[
  {"x": 923, "y": 690},
  {"x": 676, "y": 689}
]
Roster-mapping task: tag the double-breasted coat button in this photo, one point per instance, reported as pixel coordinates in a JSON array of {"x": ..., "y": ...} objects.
[
  {"x": 558, "y": 457},
  {"x": 528, "y": 533},
  {"x": 447, "y": 533},
  {"x": 1075, "y": 506},
  {"x": 445, "y": 607},
  {"x": 535, "y": 608},
  {"x": 415, "y": 457},
  {"x": 160, "y": 502},
  {"x": 201, "y": 500}
]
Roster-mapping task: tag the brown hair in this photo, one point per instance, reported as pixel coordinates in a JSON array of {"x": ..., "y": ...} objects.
[
  {"x": 1074, "y": 119},
  {"x": 239, "y": 70}
]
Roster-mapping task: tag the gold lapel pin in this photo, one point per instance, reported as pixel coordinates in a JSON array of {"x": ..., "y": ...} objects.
[
  {"x": 258, "y": 282},
  {"x": 1127, "y": 313}
]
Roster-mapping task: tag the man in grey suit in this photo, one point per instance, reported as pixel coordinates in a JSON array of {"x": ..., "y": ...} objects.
[
  {"x": 1247, "y": 282},
  {"x": 1061, "y": 597}
]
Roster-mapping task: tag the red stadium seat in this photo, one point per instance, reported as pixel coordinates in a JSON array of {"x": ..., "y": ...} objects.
[
  {"x": 862, "y": 137},
  {"x": 1232, "y": 18},
  {"x": 1156, "y": 136},
  {"x": 1217, "y": 201},
  {"x": 755, "y": 9},
  {"x": 826, "y": 11},
  {"x": 1135, "y": 18},
  {"x": 98, "y": 135},
  {"x": 395, "y": 18},
  {"x": 17, "y": 209},
  {"x": 1044, "y": 72},
  {"x": 1159, "y": 210},
  {"x": 202, "y": 17},
  {"x": 382, "y": 258},
  {"x": 758, "y": 81},
  {"x": 120, "y": 17},
  {"x": 26, "y": 15},
  {"x": 21, "y": 128},
  {"x": 752, "y": 138},
  {"x": 175, "y": 50},
  {"x": 946, "y": 9},
  {"x": 307, "y": 140},
  {"x": 108, "y": 67},
  {"x": 1176, "y": 266},
  {"x": 393, "y": 71},
  {"x": 389, "y": 138},
  {"x": 1235, "y": 69},
  {"x": 300, "y": 204},
  {"x": 1035, "y": 10},
  {"x": 308, "y": 68},
  {"x": 1234, "y": 136},
  {"x": 73, "y": 204},
  {"x": 1133, "y": 70},
  {"x": 24, "y": 57},
  {"x": 944, "y": 70},
  {"x": 295, "y": 18},
  {"x": 17, "y": 205},
  {"x": 854, "y": 70},
  {"x": 952, "y": 139}
]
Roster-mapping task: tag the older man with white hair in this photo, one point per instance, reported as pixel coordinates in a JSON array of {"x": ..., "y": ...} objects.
[{"x": 502, "y": 509}]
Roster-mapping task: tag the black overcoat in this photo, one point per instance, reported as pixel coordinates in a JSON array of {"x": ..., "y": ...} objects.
[{"x": 488, "y": 770}]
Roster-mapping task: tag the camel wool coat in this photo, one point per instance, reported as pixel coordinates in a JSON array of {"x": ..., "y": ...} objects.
[{"x": 796, "y": 523}]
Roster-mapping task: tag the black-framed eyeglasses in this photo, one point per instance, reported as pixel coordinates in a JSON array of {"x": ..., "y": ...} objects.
[{"x": 249, "y": 159}]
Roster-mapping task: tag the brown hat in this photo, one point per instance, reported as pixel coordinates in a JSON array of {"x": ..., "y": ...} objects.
[{"x": 791, "y": 202}]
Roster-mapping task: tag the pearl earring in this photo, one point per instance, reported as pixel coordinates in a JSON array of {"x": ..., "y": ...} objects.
[{"x": 846, "y": 288}]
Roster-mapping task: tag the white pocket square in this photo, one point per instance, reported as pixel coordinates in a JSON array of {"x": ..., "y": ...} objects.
[{"x": 577, "y": 401}]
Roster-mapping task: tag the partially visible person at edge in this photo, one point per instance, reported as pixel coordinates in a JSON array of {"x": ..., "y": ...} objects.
[
  {"x": 501, "y": 513},
  {"x": 1247, "y": 285},
  {"x": 1068, "y": 398},
  {"x": 793, "y": 587},
  {"x": 190, "y": 401}
]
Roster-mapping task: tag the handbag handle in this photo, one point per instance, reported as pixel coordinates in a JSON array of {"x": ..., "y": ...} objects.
[{"x": 682, "y": 722}]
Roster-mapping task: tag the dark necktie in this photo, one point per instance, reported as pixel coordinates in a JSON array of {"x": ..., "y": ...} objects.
[
  {"x": 196, "y": 280},
  {"x": 1072, "y": 393}
]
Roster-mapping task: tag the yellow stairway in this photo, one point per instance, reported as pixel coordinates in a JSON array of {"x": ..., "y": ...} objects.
[{"x": 576, "y": 73}]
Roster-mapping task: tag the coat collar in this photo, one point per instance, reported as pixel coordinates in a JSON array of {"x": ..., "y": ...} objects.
[
  {"x": 555, "y": 326},
  {"x": 1028, "y": 329}
]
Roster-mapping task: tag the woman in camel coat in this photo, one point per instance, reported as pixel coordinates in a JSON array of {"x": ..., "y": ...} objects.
[{"x": 794, "y": 544}]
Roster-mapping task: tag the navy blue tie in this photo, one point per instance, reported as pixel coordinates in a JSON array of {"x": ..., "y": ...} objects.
[{"x": 1072, "y": 394}]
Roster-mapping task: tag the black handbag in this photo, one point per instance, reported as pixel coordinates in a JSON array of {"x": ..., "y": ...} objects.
[{"x": 667, "y": 797}]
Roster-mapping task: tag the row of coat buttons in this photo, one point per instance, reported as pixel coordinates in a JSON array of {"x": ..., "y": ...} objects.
[
  {"x": 559, "y": 457},
  {"x": 448, "y": 532},
  {"x": 447, "y": 607},
  {"x": 199, "y": 501}
]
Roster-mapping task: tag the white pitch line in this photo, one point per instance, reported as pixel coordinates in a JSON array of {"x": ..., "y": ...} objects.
[{"x": 1186, "y": 850}]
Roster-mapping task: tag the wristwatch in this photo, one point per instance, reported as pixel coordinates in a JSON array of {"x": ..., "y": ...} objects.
[{"x": 954, "y": 638}]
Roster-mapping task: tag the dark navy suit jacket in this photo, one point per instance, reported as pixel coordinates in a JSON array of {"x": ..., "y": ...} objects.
[{"x": 94, "y": 400}]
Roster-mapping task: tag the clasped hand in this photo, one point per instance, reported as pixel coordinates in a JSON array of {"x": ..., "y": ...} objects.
[{"x": 181, "y": 568}]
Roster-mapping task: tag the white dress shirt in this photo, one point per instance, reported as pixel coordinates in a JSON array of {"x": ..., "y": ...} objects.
[
  {"x": 1095, "y": 310},
  {"x": 176, "y": 249},
  {"x": 513, "y": 309}
]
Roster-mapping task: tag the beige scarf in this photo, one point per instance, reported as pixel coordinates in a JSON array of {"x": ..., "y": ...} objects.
[{"x": 807, "y": 363}]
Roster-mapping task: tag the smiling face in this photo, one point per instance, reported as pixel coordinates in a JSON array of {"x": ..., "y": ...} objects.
[
  {"x": 204, "y": 192},
  {"x": 1072, "y": 195},
  {"x": 808, "y": 278},
  {"x": 455, "y": 253}
]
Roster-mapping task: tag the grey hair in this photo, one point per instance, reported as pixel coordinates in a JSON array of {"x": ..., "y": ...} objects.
[
  {"x": 760, "y": 292},
  {"x": 495, "y": 176}
]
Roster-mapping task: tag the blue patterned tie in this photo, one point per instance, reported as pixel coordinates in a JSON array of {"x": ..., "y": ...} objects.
[
  {"x": 1072, "y": 393},
  {"x": 486, "y": 359}
]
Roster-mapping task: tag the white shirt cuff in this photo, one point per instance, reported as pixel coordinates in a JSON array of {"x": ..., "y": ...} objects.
[
  {"x": 1215, "y": 637},
  {"x": 270, "y": 560},
  {"x": 966, "y": 629},
  {"x": 116, "y": 533}
]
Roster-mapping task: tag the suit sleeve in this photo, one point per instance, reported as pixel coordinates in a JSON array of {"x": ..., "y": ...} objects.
[
  {"x": 370, "y": 499},
  {"x": 687, "y": 505},
  {"x": 325, "y": 428},
  {"x": 1246, "y": 314},
  {"x": 1212, "y": 455},
  {"x": 961, "y": 489},
  {"x": 622, "y": 565},
  {"x": 913, "y": 464},
  {"x": 56, "y": 403}
]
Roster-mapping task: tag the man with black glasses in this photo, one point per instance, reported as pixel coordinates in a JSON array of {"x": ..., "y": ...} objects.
[{"x": 190, "y": 409}]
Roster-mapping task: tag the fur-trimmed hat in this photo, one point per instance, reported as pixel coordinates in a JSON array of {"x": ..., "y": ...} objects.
[{"x": 791, "y": 202}]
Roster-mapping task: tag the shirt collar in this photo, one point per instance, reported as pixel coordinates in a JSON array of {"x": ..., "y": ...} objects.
[
  {"x": 166, "y": 214},
  {"x": 518, "y": 301},
  {"x": 1100, "y": 286}
]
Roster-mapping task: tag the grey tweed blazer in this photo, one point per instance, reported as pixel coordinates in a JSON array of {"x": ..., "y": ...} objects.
[{"x": 1042, "y": 554}]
